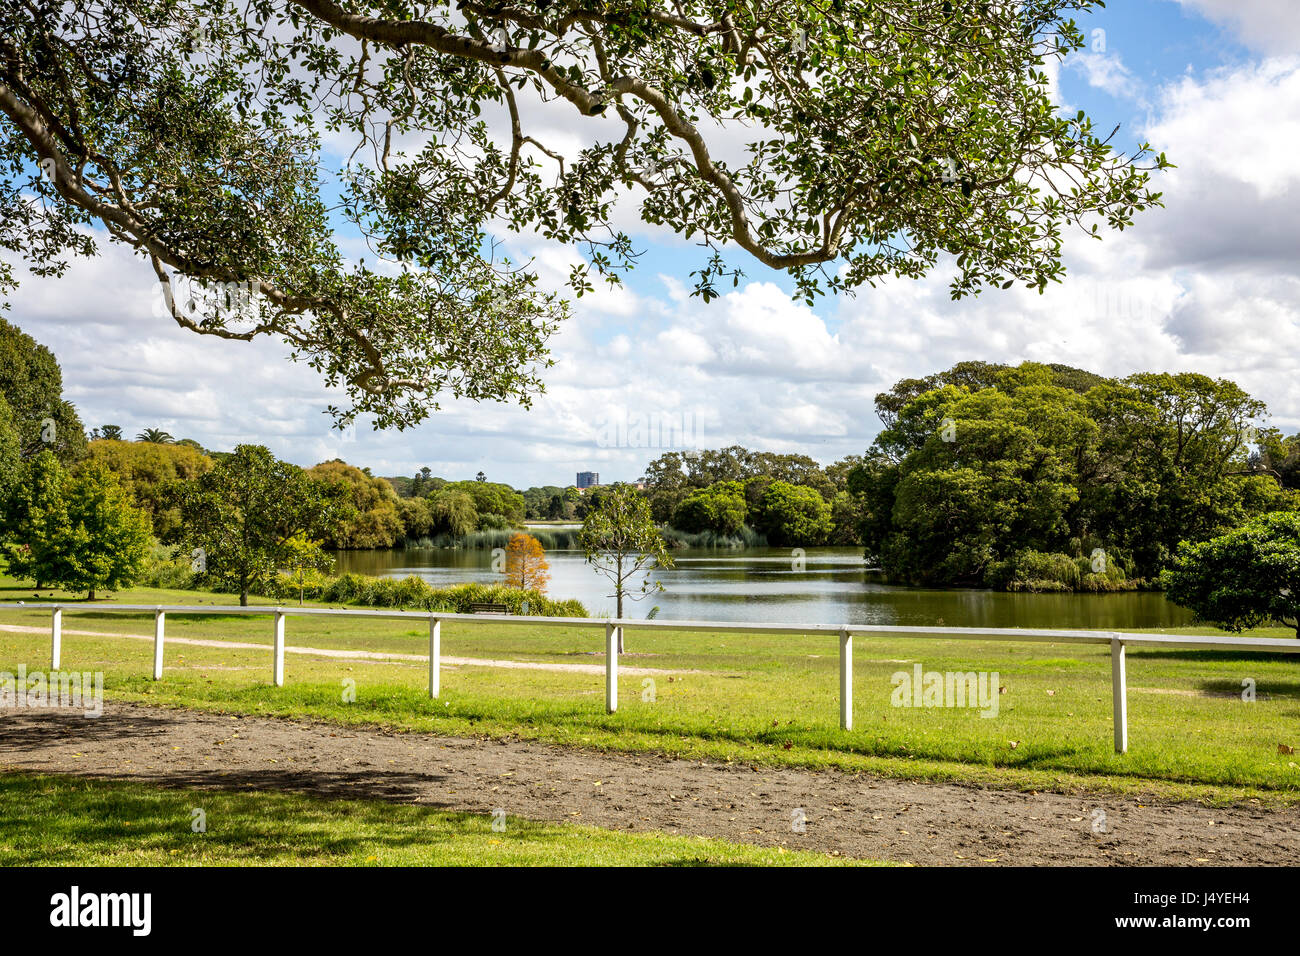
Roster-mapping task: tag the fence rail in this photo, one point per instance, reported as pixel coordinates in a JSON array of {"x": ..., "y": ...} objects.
[{"x": 1118, "y": 641}]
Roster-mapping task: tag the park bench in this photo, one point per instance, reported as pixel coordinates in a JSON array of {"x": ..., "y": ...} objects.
[{"x": 488, "y": 609}]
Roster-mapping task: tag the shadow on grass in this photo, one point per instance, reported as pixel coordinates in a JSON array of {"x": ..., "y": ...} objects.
[
  {"x": 1265, "y": 689},
  {"x": 1212, "y": 657},
  {"x": 100, "y": 816}
]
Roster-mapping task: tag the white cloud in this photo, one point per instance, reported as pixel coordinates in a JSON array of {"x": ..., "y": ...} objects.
[
  {"x": 1106, "y": 71},
  {"x": 1271, "y": 26}
]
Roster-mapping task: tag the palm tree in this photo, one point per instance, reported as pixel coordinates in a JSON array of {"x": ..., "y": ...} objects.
[{"x": 155, "y": 435}]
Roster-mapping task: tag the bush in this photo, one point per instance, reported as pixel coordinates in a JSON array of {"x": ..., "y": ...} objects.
[
  {"x": 1245, "y": 578},
  {"x": 165, "y": 569}
]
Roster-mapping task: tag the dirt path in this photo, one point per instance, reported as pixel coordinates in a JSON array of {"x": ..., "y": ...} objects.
[
  {"x": 444, "y": 660},
  {"x": 860, "y": 816}
]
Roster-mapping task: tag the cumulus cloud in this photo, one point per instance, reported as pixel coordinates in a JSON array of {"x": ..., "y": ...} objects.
[
  {"x": 1271, "y": 26},
  {"x": 1107, "y": 72}
]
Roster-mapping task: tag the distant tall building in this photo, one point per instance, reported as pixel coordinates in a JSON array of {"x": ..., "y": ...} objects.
[{"x": 588, "y": 479}]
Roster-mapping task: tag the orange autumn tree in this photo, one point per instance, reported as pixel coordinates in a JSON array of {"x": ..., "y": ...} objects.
[{"x": 526, "y": 565}]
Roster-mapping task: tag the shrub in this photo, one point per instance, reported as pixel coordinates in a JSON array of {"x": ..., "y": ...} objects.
[{"x": 163, "y": 568}]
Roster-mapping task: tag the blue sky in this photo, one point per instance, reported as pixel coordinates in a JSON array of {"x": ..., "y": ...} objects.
[{"x": 1209, "y": 284}]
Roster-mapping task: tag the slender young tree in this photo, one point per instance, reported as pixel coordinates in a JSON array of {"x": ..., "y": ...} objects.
[{"x": 622, "y": 543}]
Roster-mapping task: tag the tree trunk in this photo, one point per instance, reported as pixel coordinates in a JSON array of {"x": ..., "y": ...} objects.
[
  {"x": 91, "y": 595},
  {"x": 243, "y": 597},
  {"x": 620, "y": 617}
]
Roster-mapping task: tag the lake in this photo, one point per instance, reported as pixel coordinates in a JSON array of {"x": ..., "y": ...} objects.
[{"x": 829, "y": 586}]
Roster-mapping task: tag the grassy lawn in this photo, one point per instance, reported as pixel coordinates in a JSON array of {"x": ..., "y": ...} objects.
[
  {"x": 754, "y": 698},
  {"x": 61, "y": 821}
]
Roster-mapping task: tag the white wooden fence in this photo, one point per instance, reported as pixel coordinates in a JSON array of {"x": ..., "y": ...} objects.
[{"x": 1118, "y": 641}]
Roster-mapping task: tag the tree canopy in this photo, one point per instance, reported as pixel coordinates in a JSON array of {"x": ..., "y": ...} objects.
[
  {"x": 147, "y": 471},
  {"x": 374, "y": 519},
  {"x": 79, "y": 532},
  {"x": 490, "y": 498},
  {"x": 792, "y": 515},
  {"x": 10, "y": 460},
  {"x": 249, "y": 516},
  {"x": 31, "y": 382},
  {"x": 842, "y": 142},
  {"x": 676, "y": 475},
  {"x": 452, "y": 512},
  {"x": 990, "y": 464},
  {"x": 719, "y": 508}
]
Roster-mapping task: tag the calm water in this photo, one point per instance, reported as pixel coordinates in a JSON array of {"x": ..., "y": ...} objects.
[{"x": 761, "y": 584}]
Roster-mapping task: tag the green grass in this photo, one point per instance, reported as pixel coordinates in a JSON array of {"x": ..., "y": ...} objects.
[
  {"x": 759, "y": 698},
  {"x": 62, "y": 821}
]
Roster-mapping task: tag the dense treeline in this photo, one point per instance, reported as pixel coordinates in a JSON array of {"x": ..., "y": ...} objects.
[{"x": 1045, "y": 476}]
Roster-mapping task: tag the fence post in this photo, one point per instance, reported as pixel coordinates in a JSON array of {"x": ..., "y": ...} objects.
[
  {"x": 278, "y": 666},
  {"x": 1119, "y": 694},
  {"x": 846, "y": 680},
  {"x": 612, "y": 635},
  {"x": 435, "y": 655},
  {"x": 159, "y": 617},
  {"x": 56, "y": 638}
]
